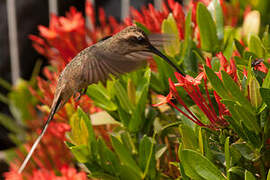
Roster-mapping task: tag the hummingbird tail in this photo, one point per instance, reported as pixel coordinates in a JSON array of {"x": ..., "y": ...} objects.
[{"x": 51, "y": 115}]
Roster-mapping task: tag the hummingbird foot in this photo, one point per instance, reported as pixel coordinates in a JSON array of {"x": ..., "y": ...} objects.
[{"x": 81, "y": 93}]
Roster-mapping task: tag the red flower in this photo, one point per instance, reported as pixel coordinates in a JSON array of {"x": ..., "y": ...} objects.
[
  {"x": 152, "y": 18},
  {"x": 66, "y": 173},
  {"x": 191, "y": 86}
]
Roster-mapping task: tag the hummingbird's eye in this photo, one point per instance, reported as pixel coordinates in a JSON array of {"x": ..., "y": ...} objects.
[{"x": 140, "y": 38}]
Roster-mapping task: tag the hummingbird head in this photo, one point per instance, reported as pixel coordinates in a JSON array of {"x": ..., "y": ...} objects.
[{"x": 134, "y": 40}]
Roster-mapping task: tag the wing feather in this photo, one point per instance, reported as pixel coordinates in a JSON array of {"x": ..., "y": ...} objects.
[
  {"x": 158, "y": 40},
  {"x": 98, "y": 69}
]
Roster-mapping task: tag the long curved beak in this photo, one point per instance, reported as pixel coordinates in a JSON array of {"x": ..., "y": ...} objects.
[{"x": 157, "y": 52}]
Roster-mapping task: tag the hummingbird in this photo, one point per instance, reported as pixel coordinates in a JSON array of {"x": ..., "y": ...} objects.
[{"x": 121, "y": 53}]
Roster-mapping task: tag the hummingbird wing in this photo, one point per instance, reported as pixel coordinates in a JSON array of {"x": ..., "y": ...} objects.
[
  {"x": 158, "y": 40},
  {"x": 99, "y": 67}
]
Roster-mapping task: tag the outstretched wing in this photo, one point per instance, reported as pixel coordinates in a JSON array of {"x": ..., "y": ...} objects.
[
  {"x": 158, "y": 40},
  {"x": 99, "y": 67}
]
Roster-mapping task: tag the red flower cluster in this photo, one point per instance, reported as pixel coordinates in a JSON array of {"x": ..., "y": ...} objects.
[
  {"x": 152, "y": 18},
  {"x": 66, "y": 173},
  {"x": 191, "y": 86}
]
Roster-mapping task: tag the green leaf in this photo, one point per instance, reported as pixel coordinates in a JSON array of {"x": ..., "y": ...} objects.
[
  {"x": 245, "y": 151},
  {"x": 79, "y": 132},
  {"x": 5, "y": 84},
  {"x": 254, "y": 92},
  {"x": 108, "y": 159},
  {"x": 266, "y": 38},
  {"x": 235, "y": 91},
  {"x": 265, "y": 93},
  {"x": 102, "y": 175},
  {"x": 146, "y": 157},
  {"x": 253, "y": 138},
  {"x": 138, "y": 115},
  {"x": 92, "y": 142},
  {"x": 216, "y": 83},
  {"x": 80, "y": 152},
  {"x": 239, "y": 47},
  {"x": 201, "y": 140},
  {"x": 207, "y": 28},
  {"x": 266, "y": 81},
  {"x": 102, "y": 118},
  {"x": 144, "y": 28},
  {"x": 248, "y": 118},
  {"x": 227, "y": 156},
  {"x": 188, "y": 137},
  {"x": 197, "y": 166},
  {"x": 268, "y": 175},
  {"x": 125, "y": 156},
  {"x": 4, "y": 99},
  {"x": 101, "y": 97},
  {"x": 255, "y": 45},
  {"x": 160, "y": 152},
  {"x": 237, "y": 170},
  {"x": 189, "y": 58},
  {"x": 10, "y": 123},
  {"x": 215, "y": 8},
  {"x": 169, "y": 26},
  {"x": 122, "y": 96},
  {"x": 249, "y": 176}
]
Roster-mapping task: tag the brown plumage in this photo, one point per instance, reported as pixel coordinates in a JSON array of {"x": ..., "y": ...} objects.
[{"x": 119, "y": 54}]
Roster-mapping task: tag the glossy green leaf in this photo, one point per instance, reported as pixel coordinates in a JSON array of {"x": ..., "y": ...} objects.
[
  {"x": 79, "y": 132},
  {"x": 125, "y": 156},
  {"x": 247, "y": 118},
  {"x": 169, "y": 27},
  {"x": 138, "y": 115},
  {"x": 189, "y": 58},
  {"x": 92, "y": 142},
  {"x": 246, "y": 151},
  {"x": 255, "y": 45},
  {"x": 253, "y": 138},
  {"x": 235, "y": 91},
  {"x": 101, "y": 97},
  {"x": 201, "y": 141},
  {"x": 80, "y": 152},
  {"x": 207, "y": 28},
  {"x": 227, "y": 155},
  {"x": 249, "y": 176},
  {"x": 266, "y": 38},
  {"x": 122, "y": 96},
  {"x": 188, "y": 137},
  {"x": 216, "y": 83},
  {"x": 108, "y": 159},
  {"x": 254, "y": 92},
  {"x": 265, "y": 93},
  {"x": 266, "y": 81},
  {"x": 197, "y": 166},
  {"x": 215, "y": 9},
  {"x": 146, "y": 157},
  {"x": 268, "y": 175}
]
